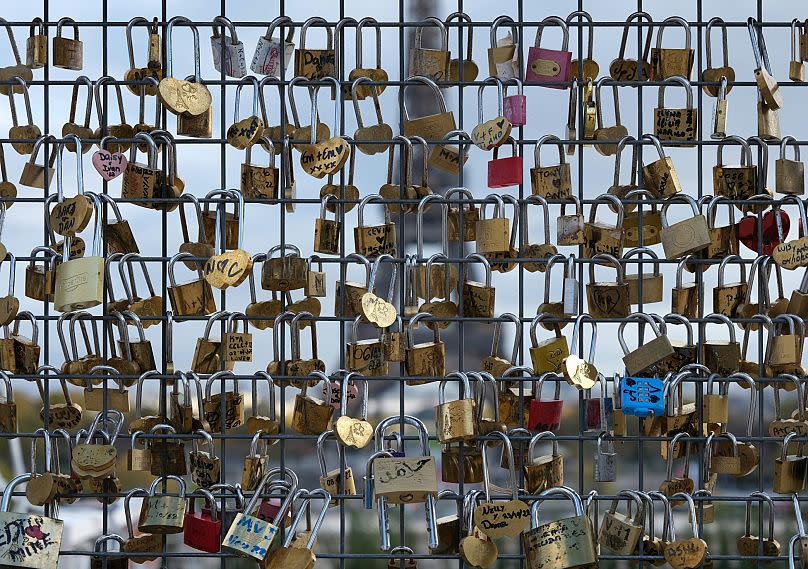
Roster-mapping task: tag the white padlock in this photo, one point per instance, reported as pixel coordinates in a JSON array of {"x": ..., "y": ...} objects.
[
  {"x": 267, "y": 58},
  {"x": 235, "y": 64}
]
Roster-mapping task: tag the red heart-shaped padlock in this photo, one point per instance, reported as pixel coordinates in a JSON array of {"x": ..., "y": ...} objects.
[{"x": 748, "y": 232}]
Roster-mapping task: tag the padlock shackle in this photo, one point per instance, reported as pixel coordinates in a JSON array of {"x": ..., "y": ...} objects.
[
  {"x": 423, "y": 433},
  {"x": 639, "y": 16},
  {"x": 249, "y": 79},
  {"x": 534, "y": 441},
  {"x": 564, "y": 491},
  {"x": 709, "y": 48},
  {"x": 169, "y": 52},
  {"x": 635, "y": 151},
  {"x": 472, "y": 258},
  {"x": 579, "y": 320},
  {"x": 419, "y": 222}
]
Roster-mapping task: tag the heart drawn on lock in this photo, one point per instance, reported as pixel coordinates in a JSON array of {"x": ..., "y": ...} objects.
[
  {"x": 9, "y": 306},
  {"x": 180, "y": 96},
  {"x": 324, "y": 158},
  {"x": 502, "y": 519},
  {"x": 71, "y": 216},
  {"x": 748, "y": 232},
  {"x": 245, "y": 132},
  {"x": 375, "y": 132},
  {"x": 686, "y": 553},
  {"x": 580, "y": 373},
  {"x": 713, "y": 75},
  {"x": 378, "y": 311},
  {"x": 479, "y": 552},
  {"x": 353, "y": 432},
  {"x": 228, "y": 269},
  {"x": 490, "y": 134},
  {"x": 109, "y": 165}
]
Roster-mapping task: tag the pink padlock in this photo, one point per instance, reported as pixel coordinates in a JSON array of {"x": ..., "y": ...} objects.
[
  {"x": 550, "y": 66},
  {"x": 515, "y": 106},
  {"x": 503, "y": 172}
]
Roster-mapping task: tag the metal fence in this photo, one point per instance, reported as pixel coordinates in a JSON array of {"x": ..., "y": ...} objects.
[{"x": 348, "y": 537}]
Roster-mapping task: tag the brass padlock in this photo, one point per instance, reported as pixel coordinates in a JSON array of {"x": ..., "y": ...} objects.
[
  {"x": 720, "y": 111},
  {"x": 194, "y": 298},
  {"x": 154, "y": 63},
  {"x": 83, "y": 131},
  {"x": 337, "y": 480},
  {"x": 675, "y": 124},
  {"x": 122, "y": 130},
  {"x": 503, "y": 53},
  {"x": 26, "y": 351},
  {"x": 495, "y": 364},
  {"x": 651, "y": 284},
  {"x": 427, "y": 62},
  {"x": 548, "y": 355},
  {"x": 724, "y": 240},
  {"x": 684, "y": 296},
  {"x": 429, "y": 127},
  {"x": 368, "y": 73},
  {"x": 311, "y": 416},
  {"x": 727, "y": 297},
  {"x": 607, "y": 299},
  {"x": 478, "y": 298},
  {"x": 722, "y": 357},
  {"x": 188, "y": 100},
  {"x": 36, "y": 46},
  {"x": 659, "y": 176},
  {"x": 570, "y": 228},
  {"x": 493, "y": 234},
  {"x": 620, "y": 533},
  {"x": 552, "y": 182},
  {"x": 616, "y": 132},
  {"x": 622, "y": 190},
  {"x": 712, "y": 74},
  {"x": 648, "y": 354},
  {"x": 207, "y": 356},
  {"x": 427, "y": 359},
  {"x": 348, "y": 298},
  {"x": 671, "y": 62},
  {"x": 371, "y": 241},
  {"x": 545, "y": 471},
  {"x": 622, "y": 69},
  {"x": 231, "y": 401},
  {"x": 315, "y": 63},
  {"x": 789, "y": 174},
  {"x": 445, "y": 158},
  {"x": 467, "y": 211},
  {"x": 456, "y": 420},
  {"x": 688, "y": 236},
  {"x": 600, "y": 237},
  {"x": 162, "y": 513},
  {"x": 118, "y": 232},
  {"x": 579, "y": 372},
  {"x": 327, "y": 231},
  {"x": 68, "y": 53},
  {"x": 39, "y": 280},
  {"x": 285, "y": 273},
  {"x": 767, "y": 85},
  {"x": 365, "y": 356},
  {"x": 35, "y": 176},
  {"x": 28, "y": 132},
  {"x": 735, "y": 182}
]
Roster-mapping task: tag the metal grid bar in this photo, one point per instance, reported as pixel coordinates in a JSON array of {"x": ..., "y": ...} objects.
[{"x": 403, "y": 27}]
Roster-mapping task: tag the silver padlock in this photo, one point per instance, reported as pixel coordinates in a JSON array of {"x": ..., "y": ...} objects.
[
  {"x": 570, "y": 293},
  {"x": 267, "y": 57},
  {"x": 605, "y": 461},
  {"x": 235, "y": 64}
]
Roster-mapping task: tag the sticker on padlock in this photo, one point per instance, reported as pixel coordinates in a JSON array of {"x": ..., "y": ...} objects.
[{"x": 642, "y": 396}]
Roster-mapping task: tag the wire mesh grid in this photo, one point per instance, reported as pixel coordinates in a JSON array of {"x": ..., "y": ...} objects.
[{"x": 340, "y": 542}]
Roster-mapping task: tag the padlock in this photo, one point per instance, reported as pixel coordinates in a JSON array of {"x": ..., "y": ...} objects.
[
  {"x": 207, "y": 357},
  {"x": 735, "y": 182},
  {"x": 365, "y": 356},
  {"x": 750, "y": 545},
  {"x": 190, "y": 100},
  {"x": 255, "y": 463},
  {"x": 601, "y": 238},
  {"x": 140, "y": 350},
  {"x": 286, "y": 272},
  {"x": 570, "y": 228},
  {"x": 228, "y": 268},
  {"x": 36, "y": 47},
  {"x": 685, "y": 237},
  {"x": 493, "y": 235},
  {"x": 311, "y": 416},
  {"x": 97, "y": 561},
  {"x": 659, "y": 176},
  {"x": 622, "y": 69},
  {"x": 315, "y": 278},
  {"x": 321, "y": 157},
  {"x": 426, "y": 359},
  {"x": 428, "y": 62},
  {"x": 118, "y": 233},
  {"x": 8, "y": 408},
  {"x": 720, "y": 463},
  {"x": 144, "y": 543},
  {"x": 789, "y": 470},
  {"x": 540, "y": 253},
  {"x": 116, "y": 398},
  {"x": 767, "y": 85},
  {"x": 675, "y": 449},
  {"x": 368, "y": 73},
  {"x": 671, "y": 62},
  {"x": 122, "y": 130},
  {"x": 29, "y": 132},
  {"x": 725, "y": 239},
  {"x": 380, "y": 131},
  {"x": 419, "y": 486},
  {"x": 584, "y": 68},
  {"x": 250, "y": 536},
  {"x": 720, "y": 111},
  {"x": 348, "y": 298},
  {"x": 228, "y": 52},
  {"x": 727, "y": 297},
  {"x": 33, "y": 175},
  {"x": 580, "y": 372},
  {"x": 643, "y": 360},
  {"x": 205, "y": 466},
  {"x": 455, "y": 420},
  {"x": 478, "y": 298},
  {"x": 189, "y": 299},
  {"x": 495, "y": 364},
  {"x": 641, "y": 397},
  {"x": 68, "y": 53},
  {"x": 154, "y": 65},
  {"x": 675, "y": 124},
  {"x": 546, "y": 471},
  {"x": 166, "y": 456},
  {"x": 374, "y": 240},
  {"x": 575, "y": 542},
  {"x": 789, "y": 174},
  {"x": 617, "y": 189},
  {"x": 603, "y": 132},
  {"x": 337, "y": 480},
  {"x": 713, "y": 74},
  {"x": 598, "y": 411},
  {"x": 515, "y": 106},
  {"x": 651, "y": 284},
  {"x": 60, "y": 415},
  {"x": 260, "y": 182},
  {"x": 620, "y": 533},
  {"x": 722, "y": 357},
  {"x": 492, "y": 133},
  {"x": 551, "y": 182},
  {"x": 589, "y": 114},
  {"x": 83, "y": 131},
  {"x": 504, "y": 172},
  {"x": 785, "y": 348},
  {"x": 684, "y": 297},
  {"x": 447, "y": 159},
  {"x": 550, "y": 67},
  {"x": 547, "y": 355},
  {"x": 545, "y": 415},
  {"x": 503, "y": 53},
  {"x": 315, "y": 64},
  {"x": 607, "y": 299},
  {"x": 430, "y": 127},
  {"x": 274, "y": 53},
  {"x": 297, "y": 365},
  {"x": 233, "y": 405},
  {"x": 90, "y": 460},
  {"x": 77, "y": 364},
  {"x": 148, "y": 307},
  {"x": 297, "y": 549}
]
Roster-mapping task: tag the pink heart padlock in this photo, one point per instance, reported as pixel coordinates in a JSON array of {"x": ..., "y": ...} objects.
[
  {"x": 549, "y": 66},
  {"x": 109, "y": 164}
]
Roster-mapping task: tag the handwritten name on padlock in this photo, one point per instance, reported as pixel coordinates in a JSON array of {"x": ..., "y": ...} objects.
[
  {"x": 109, "y": 165},
  {"x": 505, "y": 519},
  {"x": 228, "y": 269},
  {"x": 324, "y": 158}
]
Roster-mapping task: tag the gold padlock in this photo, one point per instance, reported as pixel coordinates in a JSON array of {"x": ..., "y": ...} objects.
[
  {"x": 670, "y": 62},
  {"x": 687, "y": 236},
  {"x": 727, "y": 297},
  {"x": 327, "y": 231},
  {"x": 428, "y": 62},
  {"x": 651, "y": 284},
  {"x": 735, "y": 182},
  {"x": 68, "y": 53},
  {"x": 659, "y": 176},
  {"x": 676, "y": 124},
  {"x": 425, "y": 359},
  {"x": 600, "y": 237},
  {"x": 36, "y": 46},
  {"x": 789, "y": 174},
  {"x": 607, "y": 299},
  {"x": 194, "y": 298},
  {"x": 315, "y": 63},
  {"x": 478, "y": 298},
  {"x": 311, "y": 416},
  {"x": 371, "y": 241},
  {"x": 456, "y": 420}
]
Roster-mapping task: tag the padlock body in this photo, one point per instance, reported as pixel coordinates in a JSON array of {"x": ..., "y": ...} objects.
[{"x": 79, "y": 284}]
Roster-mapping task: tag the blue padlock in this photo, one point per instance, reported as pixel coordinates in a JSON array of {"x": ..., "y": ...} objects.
[{"x": 642, "y": 396}]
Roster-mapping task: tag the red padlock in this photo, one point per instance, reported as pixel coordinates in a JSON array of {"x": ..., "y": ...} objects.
[
  {"x": 598, "y": 412},
  {"x": 503, "y": 172},
  {"x": 550, "y": 66},
  {"x": 232, "y": 492},
  {"x": 545, "y": 415},
  {"x": 269, "y": 507},
  {"x": 772, "y": 233},
  {"x": 515, "y": 106},
  {"x": 203, "y": 530}
]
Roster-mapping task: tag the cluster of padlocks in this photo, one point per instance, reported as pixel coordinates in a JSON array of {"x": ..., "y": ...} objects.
[{"x": 493, "y": 409}]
